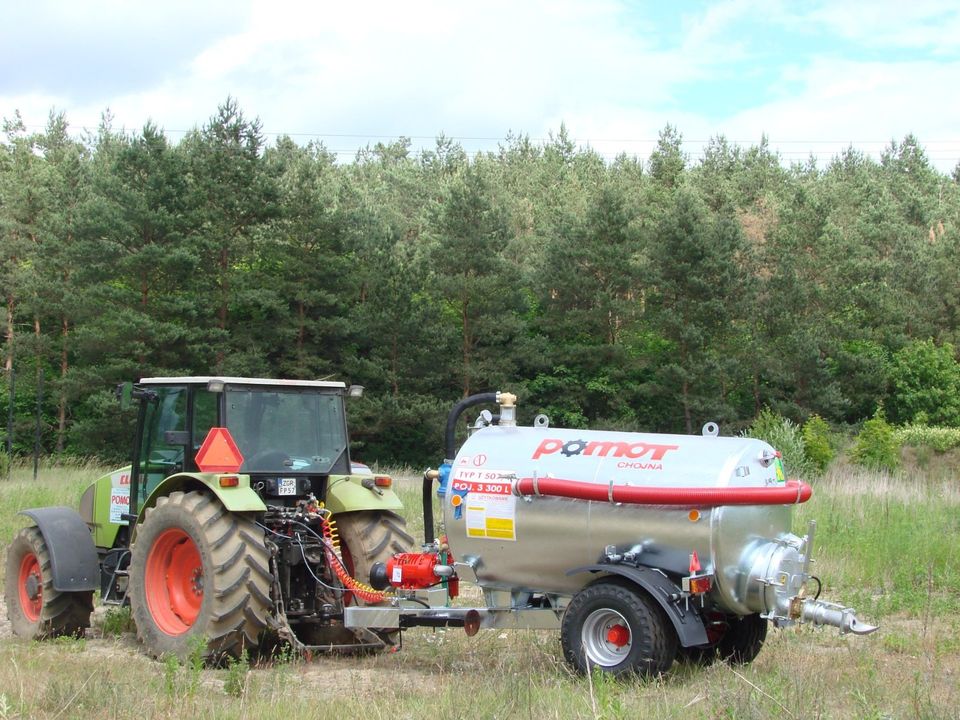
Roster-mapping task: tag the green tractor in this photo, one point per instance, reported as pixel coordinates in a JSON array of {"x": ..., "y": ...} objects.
[{"x": 240, "y": 521}]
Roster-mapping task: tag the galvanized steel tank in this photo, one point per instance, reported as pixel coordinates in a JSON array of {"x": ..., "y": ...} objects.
[{"x": 528, "y": 544}]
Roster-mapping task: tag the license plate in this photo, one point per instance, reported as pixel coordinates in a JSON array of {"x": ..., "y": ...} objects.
[{"x": 287, "y": 486}]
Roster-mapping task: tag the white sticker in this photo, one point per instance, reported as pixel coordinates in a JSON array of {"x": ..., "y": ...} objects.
[
  {"x": 491, "y": 506},
  {"x": 287, "y": 486},
  {"x": 119, "y": 496},
  {"x": 397, "y": 575}
]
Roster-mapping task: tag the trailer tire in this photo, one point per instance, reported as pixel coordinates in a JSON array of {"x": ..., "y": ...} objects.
[
  {"x": 616, "y": 627},
  {"x": 368, "y": 537},
  {"x": 199, "y": 571},
  {"x": 744, "y": 638},
  {"x": 698, "y": 656},
  {"x": 37, "y": 611}
]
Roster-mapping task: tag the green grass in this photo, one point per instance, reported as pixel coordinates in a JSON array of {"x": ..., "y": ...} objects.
[{"x": 883, "y": 544}]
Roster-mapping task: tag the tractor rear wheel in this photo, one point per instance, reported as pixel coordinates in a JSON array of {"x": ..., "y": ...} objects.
[
  {"x": 34, "y": 608},
  {"x": 366, "y": 537},
  {"x": 199, "y": 571},
  {"x": 618, "y": 628}
]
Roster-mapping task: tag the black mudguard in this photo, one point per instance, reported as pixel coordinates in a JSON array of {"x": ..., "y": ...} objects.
[
  {"x": 686, "y": 621},
  {"x": 73, "y": 556}
]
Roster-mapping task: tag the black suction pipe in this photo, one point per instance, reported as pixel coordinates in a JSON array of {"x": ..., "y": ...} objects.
[{"x": 429, "y": 477}]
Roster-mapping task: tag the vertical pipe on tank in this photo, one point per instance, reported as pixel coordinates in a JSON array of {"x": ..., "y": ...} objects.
[{"x": 508, "y": 409}]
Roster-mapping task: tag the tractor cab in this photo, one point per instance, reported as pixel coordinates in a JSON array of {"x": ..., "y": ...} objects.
[{"x": 282, "y": 432}]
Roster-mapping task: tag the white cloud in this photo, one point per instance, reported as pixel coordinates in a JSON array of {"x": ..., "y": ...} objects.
[
  {"x": 481, "y": 70},
  {"x": 861, "y": 103},
  {"x": 922, "y": 24}
]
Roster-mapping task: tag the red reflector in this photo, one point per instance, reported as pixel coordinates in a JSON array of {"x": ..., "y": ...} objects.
[
  {"x": 229, "y": 481},
  {"x": 383, "y": 481},
  {"x": 700, "y": 585}
]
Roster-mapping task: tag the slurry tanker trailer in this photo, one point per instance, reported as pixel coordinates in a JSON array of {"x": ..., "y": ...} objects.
[{"x": 640, "y": 548}]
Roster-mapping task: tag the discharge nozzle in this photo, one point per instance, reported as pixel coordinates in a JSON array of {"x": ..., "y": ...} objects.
[{"x": 820, "y": 612}]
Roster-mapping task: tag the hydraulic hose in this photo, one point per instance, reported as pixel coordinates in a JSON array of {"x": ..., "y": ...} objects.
[
  {"x": 792, "y": 492},
  {"x": 450, "y": 442}
]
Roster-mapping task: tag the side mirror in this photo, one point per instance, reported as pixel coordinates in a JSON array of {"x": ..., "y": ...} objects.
[{"x": 125, "y": 395}]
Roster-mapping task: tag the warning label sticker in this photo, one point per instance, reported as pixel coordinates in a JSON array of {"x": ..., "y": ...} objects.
[
  {"x": 119, "y": 496},
  {"x": 491, "y": 506}
]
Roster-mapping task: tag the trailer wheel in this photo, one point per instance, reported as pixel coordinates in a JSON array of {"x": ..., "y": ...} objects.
[
  {"x": 619, "y": 629},
  {"x": 199, "y": 571},
  {"x": 744, "y": 638},
  {"x": 35, "y": 609},
  {"x": 368, "y": 537}
]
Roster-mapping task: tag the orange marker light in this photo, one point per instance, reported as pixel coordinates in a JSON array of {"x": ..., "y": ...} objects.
[
  {"x": 700, "y": 585},
  {"x": 383, "y": 481},
  {"x": 693, "y": 515},
  {"x": 456, "y": 500},
  {"x": 229, "y": 481}
]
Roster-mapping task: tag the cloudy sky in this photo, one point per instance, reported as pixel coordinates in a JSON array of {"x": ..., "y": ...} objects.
[{"x": 814, "y": 77}]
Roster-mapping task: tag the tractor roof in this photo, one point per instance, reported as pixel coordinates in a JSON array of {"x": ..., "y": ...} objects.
[{"x": 204, "y": 379}]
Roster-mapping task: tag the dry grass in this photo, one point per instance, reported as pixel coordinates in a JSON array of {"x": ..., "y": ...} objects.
[{"x": 909, "y": 669}]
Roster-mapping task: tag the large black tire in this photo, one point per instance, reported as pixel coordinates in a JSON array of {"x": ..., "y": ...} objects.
[
  {"x": 198, "y": 570},
  {"x": 743, "y": 639},
  {"x": 618, "y": 628},
  {"x": 700, "y": 656},
  {"x": 35, "y": 609},
  {"x": 366, "y": 537}
]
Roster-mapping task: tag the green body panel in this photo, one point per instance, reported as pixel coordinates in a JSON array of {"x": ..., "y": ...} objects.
[
  {"x": 108, "y": 497},
  {"x": 102, "y": 503},
  {"x": 346, "y": 494}
]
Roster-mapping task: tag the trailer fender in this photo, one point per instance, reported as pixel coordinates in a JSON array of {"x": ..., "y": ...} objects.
[
  {"x": 345, "y": 493},
  {"x": 73, "y": 556},
  {"x": 687, "y": 623}
]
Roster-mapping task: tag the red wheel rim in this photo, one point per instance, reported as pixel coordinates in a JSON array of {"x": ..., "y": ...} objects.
[
  {"x": 31, "y": 587},
  {"x": 173, "y": 582}
]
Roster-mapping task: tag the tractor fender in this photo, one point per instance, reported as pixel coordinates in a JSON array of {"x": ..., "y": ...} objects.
[
  {"x": 241, "y": 498},
  {"x": 687, "y": 622},
  {"x": 346, "y": 494},
  {"x": 73, "y": 556}
]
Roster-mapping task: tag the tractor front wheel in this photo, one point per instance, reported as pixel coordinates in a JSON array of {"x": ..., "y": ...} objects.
[
  {"x": 199, "y": 571},
  {"x": 35, "y": 609}
]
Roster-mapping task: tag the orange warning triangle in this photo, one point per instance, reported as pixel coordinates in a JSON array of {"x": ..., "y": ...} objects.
[{"x": 219, "y": 452}]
